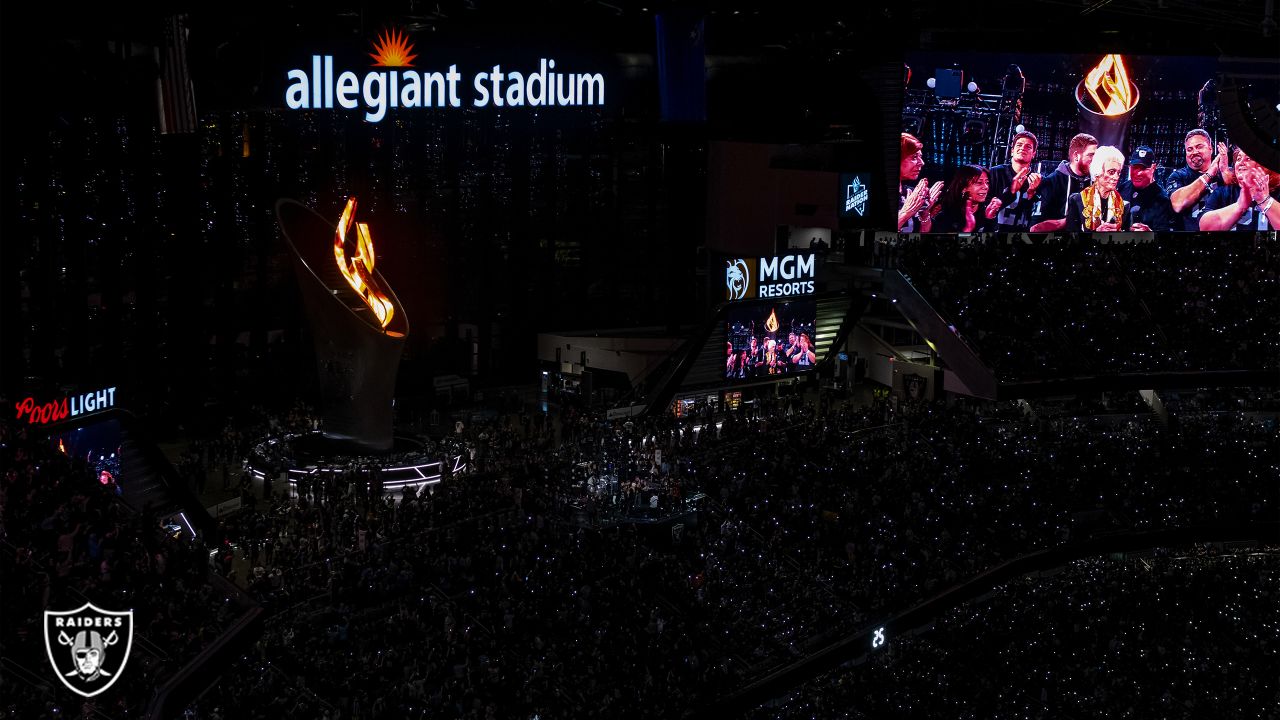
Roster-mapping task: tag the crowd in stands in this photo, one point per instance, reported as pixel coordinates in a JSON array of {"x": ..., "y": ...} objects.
[
  {"x": 1258, "y": 400},
  {"x": 483, "y": 597},
  {"x": 1176, "y": 633},
  {"x": 66, "y": 539},
  {"x": 1078, "y": 307},
  {"x": 223, "y": 451},
  {"x": 487, "y": 595}
]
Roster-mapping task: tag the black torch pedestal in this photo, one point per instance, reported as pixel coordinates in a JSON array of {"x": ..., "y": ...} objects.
[
  {"x": 357, "y": 358},
  {"x": 1108, "y": 129}
]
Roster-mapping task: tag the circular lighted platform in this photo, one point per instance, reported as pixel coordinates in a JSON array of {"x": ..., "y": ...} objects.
[{"x": 409, "y": 463}]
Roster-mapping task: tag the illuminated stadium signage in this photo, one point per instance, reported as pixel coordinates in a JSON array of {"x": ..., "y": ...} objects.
[
  {"x": 770, "y": 277},
  {"x": 401, "y": 86},
  {"x": 855, "y": 197},
  {"x": 68, "y": 407}
]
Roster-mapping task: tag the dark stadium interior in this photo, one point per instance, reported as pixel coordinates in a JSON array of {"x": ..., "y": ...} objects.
[{"x": 638, "y": 389}]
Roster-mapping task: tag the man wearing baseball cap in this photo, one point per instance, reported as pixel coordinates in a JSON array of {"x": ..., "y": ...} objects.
[{"x": 1149, "y": 206}]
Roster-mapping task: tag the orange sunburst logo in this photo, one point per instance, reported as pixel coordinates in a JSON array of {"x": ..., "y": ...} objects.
[{"x": 393, "y": 49}]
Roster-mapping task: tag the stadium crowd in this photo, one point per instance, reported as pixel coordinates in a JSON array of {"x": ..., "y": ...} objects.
[
  {"x": 491, "y": 595},
  {"x": 486, "y": 597},
  {"x": 1079, "y": 307},
  {"x": 1173, "y": 634},
  {"x": 66, "y": 538}
]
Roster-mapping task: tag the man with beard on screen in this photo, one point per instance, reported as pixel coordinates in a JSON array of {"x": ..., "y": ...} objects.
[
  {"x": 1071, "y": 176},
  {"x": 1190, "y": 186}
]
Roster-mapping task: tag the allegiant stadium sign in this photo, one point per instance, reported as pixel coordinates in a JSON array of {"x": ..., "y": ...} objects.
[{"x": 400, "y": 86}]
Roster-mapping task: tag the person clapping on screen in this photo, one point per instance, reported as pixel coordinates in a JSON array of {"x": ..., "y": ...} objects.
[
  {"x": 1250, "y": 205},
  {"x": 965, "y": 205},
  {"x": 1099, "y": 207},
  {"x": 917, "y": 201},
  {"x": 1015, "y": 184}
]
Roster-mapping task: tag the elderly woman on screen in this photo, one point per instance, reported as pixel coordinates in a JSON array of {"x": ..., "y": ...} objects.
[{"x": 1099, "y": 207}]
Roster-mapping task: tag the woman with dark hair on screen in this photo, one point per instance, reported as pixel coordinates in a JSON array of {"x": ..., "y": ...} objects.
[
  {"x": 965, "y": 204},
  {"x": 917, "y": 201}
]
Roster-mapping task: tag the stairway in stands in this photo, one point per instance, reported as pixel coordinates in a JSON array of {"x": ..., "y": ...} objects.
[
  {"x": 142, "y": 478},
  {"x": 149, "y": 479}
]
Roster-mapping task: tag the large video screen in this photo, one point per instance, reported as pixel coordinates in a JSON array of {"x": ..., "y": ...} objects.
[
  {"x": 1000, "y": 142},
  {"x": 770, "y": 339}
]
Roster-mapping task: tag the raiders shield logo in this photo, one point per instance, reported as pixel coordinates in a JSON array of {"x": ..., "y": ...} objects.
[{"x": 88, "y": 647}]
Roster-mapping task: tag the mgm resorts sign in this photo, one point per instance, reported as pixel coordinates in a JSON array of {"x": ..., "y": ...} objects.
[
  {"x": 393, "y": 83},
  {"x": 769, "y": 277}
]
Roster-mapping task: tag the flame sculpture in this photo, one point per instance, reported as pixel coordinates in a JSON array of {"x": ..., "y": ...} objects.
[
  {"x": 1109, "y": 87},
  {"x": 358, "y": 270},
  {"x": 393, "y": 49},
  {"x": 772, "y": 323}
]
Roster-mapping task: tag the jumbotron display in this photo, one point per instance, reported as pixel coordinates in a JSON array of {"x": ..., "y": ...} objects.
[
  {"x": 1073, "y": 143},
  {"x": 770, "y": 339}
]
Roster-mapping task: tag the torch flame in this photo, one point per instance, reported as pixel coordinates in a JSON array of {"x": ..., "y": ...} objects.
[
  {"x": 393, "y": 49},
  {"x": 1108, "y": 84},
  {"x": 358, "y": 270},
  {"x": 62, "y": 447},
  {"x": 772, "y": 323}
]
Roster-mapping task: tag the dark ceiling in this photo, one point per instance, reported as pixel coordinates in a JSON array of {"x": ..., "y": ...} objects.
[{"x": 1213, "y": 27}]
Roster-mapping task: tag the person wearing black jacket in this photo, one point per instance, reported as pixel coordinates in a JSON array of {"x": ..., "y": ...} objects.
[
  {"x": 1015, "y": 184},
  {"x": 965, "y": 207},
  {"x": 1149, "y": 206},
  {"x": 1049, "y": 214},
  {"x": 1251, "y": 204},
  {"x": 1099, "y": 207},
  {"x": 1190, "y": 186}
]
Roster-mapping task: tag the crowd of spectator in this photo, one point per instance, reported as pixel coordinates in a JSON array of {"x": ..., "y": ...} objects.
[
  {"x": 483, "y": 597},
  {"x": 1078, "y": 307},
  {"x": 66, "y": 539},
  {"x": 1171, "y": 634},
  {"x": 223, "y": 451},
  {"x": 487, "y": 595}
]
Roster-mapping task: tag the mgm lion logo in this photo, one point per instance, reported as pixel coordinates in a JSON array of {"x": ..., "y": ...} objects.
[
  {"x": 737, "y": 278},
  {"x": 90, "y": 634}
]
